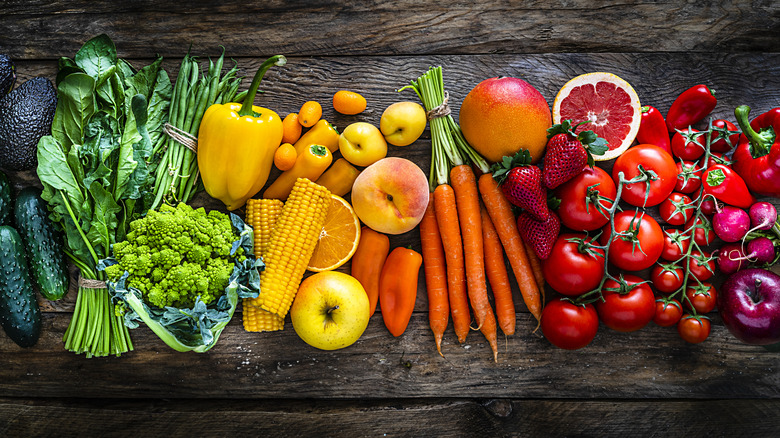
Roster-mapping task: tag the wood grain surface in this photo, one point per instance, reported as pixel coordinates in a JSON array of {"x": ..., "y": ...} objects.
[{"x": 644, "y": 383}]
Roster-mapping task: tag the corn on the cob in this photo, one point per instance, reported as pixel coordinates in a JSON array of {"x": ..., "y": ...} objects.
[
  {"x": 262, "y": 214},
  {"x": 292, "y": 244}
]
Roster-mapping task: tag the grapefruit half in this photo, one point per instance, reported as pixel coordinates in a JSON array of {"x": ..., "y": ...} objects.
[{"x": 608, "y": 101}]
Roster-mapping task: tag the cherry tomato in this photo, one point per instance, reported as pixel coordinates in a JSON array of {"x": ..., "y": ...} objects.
[
  {"x": 701, "y": 265},
  {"x": 708, "y": 206},
  {"x": 627, "y": 307},
  {"x": 667, "y": 278},
  {"x": 650, "y": 158},
  {"x": 688, "y": 177},
  {"x": 640, "y": 251},
  {"x": 688, "y": 144},
  {"x": 703, "y": 297},
  {"x": 703, "y": 234},
  {"x": 676, "y": 209},
  {"x": 583, "y": 207},
  {"x": 692, "y": 329},
  {"x": 675, "y": 244},
  {"x": 667, "y": 312},
  {"x": 718, "y": 158},
  {"x": 569, "y": 326},
  {"x": 574, "y": 267},
  {"x": 720, "y": 145}
]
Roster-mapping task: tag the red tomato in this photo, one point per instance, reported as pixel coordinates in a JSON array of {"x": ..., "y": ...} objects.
[
  {"x": 702, "y": 297},
  {"x": 719, "y": 143},
  {"x": 640, "y": 251},
  {"x": 676, "y": 209},
  {"x": 583, "y": 207},
  {"x": 627, "y": 307},
  {"x": 688, "y": 144},
  {"x": 569, "y": 326},
  {"x": 692, "y": 329},
  {"x": 675, "y": 244},
  {"x": 703, "y": 234},
  {"x": 688, "y": 177},
  {"x": 701, "y": 265},
  {"x": 667, "y": 312},
  {"x": 667, "y": 278},
  {"x": 574, "y": 267},
  {"x": 708, "y": 206},
  {"x": 718, "y": 158},
  {"x": 649, "y": 157}
]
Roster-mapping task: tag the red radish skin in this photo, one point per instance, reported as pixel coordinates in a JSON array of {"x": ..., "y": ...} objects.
[
  {"x": 731, "y": 258},
  {"x": 761, "y": 250},
  {"x": 763, "y": 216},
  {"x": 731, "y": 224}
]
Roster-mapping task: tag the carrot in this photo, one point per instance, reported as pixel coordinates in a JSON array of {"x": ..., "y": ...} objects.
[
  {"x": 447, "y": 219},
  {"x": 536, "y": 265},
  {"x": 504, "y": 220},
  {"x": 464, "y": 183},
  {"x": 435, "y": 274},
  {"x": 497, "y": 276}
]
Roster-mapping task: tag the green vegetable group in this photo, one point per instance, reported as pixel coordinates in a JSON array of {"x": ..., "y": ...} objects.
[{"x": 175, "y": 255}]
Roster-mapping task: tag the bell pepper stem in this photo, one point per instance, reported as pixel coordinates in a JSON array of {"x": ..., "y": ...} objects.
[
  {"x": 246, "y": 106},
  {"x": 760, "y": 142}
]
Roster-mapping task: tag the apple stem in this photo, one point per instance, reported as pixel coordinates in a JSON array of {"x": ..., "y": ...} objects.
[{"x": 332, "y": 309}]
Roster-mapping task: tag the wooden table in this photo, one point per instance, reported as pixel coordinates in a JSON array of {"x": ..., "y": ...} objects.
[{"x": 645, "y": 383}]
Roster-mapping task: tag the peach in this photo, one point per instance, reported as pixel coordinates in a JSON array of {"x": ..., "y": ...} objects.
[{"x": 390, "y": 196}]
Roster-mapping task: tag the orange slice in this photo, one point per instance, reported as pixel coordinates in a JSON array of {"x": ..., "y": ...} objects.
[
  {"x": 609, "y": 102},
  {"x": 339, "y": 237}
]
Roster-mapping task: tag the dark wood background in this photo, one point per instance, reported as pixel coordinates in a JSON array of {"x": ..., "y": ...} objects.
[{"x": 645, "y": 383}]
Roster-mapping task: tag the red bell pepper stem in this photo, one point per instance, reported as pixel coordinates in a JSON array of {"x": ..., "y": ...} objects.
[
  {"x": 652, "y": 129},
  {"x": 757, "y": 156},
  {"x": 727, "y": 186},
  {"x": 690, "y": 107}
]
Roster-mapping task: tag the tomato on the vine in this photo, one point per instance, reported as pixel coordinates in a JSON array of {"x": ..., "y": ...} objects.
[
  {"x": 675, "y": 244},
  {"x": 569, "y": 326},
  {"x": 668, "y": 312},
  {"x": 676, "y": 209},
  {"x": 701, "y": 265},
  {"x": 574, "y": 265},
  {"x": 688, "y": 144},
  {"x": 694, "y": 329},
  {"x": 719, "y": 143},
  {"x": 646, "y": 158},
  {"x": 702, "y": 297},
  {"x": 688, "y": 177},
  {"x": 627, "y": 306},
  {"x": 585, "y": 199},
  {"x": 703, "y": 234},
  {"x": 667, "y": 278},
  {"x": 708, "y": 206},
  {"x": 639, "y": 250}
]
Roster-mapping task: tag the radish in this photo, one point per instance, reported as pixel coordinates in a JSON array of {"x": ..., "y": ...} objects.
[
  {"x": 731, "y": 223},
  {"x": 763, "y": 216},
  {"x": 760, "y": 250},
  {"x": 731, "y": 258}
]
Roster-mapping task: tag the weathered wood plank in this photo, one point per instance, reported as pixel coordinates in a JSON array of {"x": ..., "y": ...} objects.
[
  {"x": 437, "y": 417},
  {"x": 652, "y": 363},
  {"x": 45, "y": 29}
]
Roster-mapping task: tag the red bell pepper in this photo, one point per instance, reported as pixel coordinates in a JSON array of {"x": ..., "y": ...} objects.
[
  {"x": 652, "y": 129},
  {"x": 690, "y": 107},
  {"x": 727, "y": 186},
  {"x": 757, "y": 156}
]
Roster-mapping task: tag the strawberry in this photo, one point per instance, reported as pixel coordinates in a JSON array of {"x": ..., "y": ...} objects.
[
  {"x": 568, "y": 152},
  {"x": 521, "y": 183},
  {"x": 541, "y": 235}
]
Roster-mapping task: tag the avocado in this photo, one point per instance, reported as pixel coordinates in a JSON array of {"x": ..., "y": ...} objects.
[
  {"x": 7, "y": 75},
  {"x": 26, "y": 114}
]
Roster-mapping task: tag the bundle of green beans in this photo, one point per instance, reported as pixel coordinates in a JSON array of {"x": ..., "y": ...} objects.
[{"x": 177, "y": 174}]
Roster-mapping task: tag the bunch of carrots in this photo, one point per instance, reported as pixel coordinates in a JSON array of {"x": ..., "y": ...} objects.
[{"x": 462, "y": 240}]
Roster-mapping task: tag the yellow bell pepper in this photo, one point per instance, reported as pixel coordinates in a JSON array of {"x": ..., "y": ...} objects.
[
  {"x": 236, "y": 145},
  {"x": 309, "y": 165},
  {"x": 339, "y": 178},
  {"x": 323, "y": 133}
]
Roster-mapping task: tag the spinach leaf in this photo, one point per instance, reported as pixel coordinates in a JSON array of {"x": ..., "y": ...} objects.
[
  {"x": 99, "y": 153},
  {"x": 159, "y": 105},
  {"x": 97, "y": 57},
  {"x": 104, "y": 221},
  {"x": 55, "y": 173},
  {"x": 75, "y": 106},
  {"x": 132, "y": 172}
]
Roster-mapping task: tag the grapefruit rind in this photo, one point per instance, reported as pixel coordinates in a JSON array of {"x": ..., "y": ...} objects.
[{"x": 592, "y": 79}]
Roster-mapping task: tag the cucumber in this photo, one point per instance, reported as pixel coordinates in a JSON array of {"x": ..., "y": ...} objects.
[
  {"x": 5, "y": 200},
  {"x": 42, "y": 244},
  {"x": 20, "y": 316}
]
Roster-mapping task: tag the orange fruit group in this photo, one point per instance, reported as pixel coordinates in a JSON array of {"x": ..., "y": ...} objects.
[
  {"x": 309, "y": 113},
  {"x": 285, "y": 157},
  {"x": 339, "y": 237},
  {"x": 291, "y": 129},
  {"x": 349, "y": 102}
]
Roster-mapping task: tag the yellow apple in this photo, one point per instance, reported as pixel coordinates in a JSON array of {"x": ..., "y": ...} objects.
[
  {"x": 362, "y": 144},
  {"x": 402, "y": 123},
  {"x": 330, "y": 310},
  {"x": 390, "y": 196}
]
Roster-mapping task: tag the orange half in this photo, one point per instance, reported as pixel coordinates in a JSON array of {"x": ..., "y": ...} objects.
[{"x": 339, "y": 237}]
